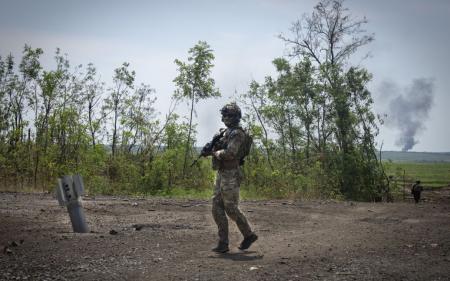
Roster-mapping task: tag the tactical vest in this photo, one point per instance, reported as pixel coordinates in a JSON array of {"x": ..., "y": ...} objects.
[{"x": 243, "y": 151}]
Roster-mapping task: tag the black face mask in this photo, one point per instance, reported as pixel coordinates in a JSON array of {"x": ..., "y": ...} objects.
[{"x": 229, "y": 120}]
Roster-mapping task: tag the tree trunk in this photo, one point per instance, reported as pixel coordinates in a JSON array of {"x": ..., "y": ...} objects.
[
  {"x": 91, "y": 128},
  {"x": 114, "y": 140},
  {"x": 266, "y": 138},
  {"x": 189, "y": 134}
]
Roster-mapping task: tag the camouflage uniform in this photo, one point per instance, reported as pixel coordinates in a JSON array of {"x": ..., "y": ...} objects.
[
  {"x": 416, "y": 190},
  {"x": 226, "y": 189},
  {"x": 227, "y": 153}
]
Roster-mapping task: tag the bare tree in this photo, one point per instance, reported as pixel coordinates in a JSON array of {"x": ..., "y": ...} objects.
[{"x": 328, "y": 36}]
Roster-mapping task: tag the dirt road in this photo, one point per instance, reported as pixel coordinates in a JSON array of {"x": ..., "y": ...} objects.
[{"x": 165, "y": 239}]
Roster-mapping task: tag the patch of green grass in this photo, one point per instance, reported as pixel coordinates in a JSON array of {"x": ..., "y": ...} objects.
[
  {"x": 432, "y": 175},
  {"x": 183, "y": 193},
  {"x": 248, "y": 193}
]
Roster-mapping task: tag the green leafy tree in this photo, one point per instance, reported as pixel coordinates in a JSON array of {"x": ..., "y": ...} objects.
[
  {"x": 139, "y": 118},
  {"x": 255, "y": 101},
  {"x": 329, "y": 37},
  {"x": 123, "y": 81},
  {"x": 194, "y": 83},
  {"x": 91, "y": 94},
  {"x": 15, "y": 90},
  {"x": 49, "y": 85}
]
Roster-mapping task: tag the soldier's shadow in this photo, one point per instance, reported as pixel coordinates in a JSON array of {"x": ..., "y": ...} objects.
[{"x": 239, "y": 256}]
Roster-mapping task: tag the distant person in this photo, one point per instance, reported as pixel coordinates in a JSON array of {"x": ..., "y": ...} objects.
[
  {"x": 416, "y": 190},
  {"x": 228, "y": 149}
]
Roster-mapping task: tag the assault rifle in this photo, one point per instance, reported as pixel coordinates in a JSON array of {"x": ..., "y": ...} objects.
[{"x": 208, "y": 148}]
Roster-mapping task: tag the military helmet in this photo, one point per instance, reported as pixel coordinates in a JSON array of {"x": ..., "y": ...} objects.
[{"x": 231, "y": 110}]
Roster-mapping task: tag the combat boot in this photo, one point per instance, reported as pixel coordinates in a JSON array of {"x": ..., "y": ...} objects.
[
  {"x": 221, "y": 248},
  {"x": 248, "y": 241}
]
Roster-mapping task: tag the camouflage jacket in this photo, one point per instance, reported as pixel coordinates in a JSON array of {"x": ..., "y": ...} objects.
[{"x": 229, "y": 147}]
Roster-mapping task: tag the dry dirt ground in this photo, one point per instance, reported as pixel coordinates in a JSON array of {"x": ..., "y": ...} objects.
[{"x": 314, "y": 240}]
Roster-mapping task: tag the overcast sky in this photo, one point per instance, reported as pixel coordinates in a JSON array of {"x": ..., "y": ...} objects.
[{"x": 409, "y": 59}]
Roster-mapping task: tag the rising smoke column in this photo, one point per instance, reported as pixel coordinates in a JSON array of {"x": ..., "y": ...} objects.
[{"x": 408, "y": 110}]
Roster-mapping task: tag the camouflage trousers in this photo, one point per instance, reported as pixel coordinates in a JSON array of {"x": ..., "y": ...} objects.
[{"x": 225, "y": 202}]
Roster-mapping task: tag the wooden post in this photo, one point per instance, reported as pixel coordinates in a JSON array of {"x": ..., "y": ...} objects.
[
  {"x": 404, "y": 184},
  {"x": 396, "y": 184}
]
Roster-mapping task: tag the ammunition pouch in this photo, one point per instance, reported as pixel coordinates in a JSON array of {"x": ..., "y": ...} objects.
[
  {"x": 215, "y": 163},
  {"x": 228, "y": 164}
]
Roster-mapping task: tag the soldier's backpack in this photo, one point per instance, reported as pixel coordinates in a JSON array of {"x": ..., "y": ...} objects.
[
  {"x": 416, "y": 188},
  {"x": 246, "y": 146}
]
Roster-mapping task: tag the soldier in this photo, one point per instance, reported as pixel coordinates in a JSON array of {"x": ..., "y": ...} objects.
[
  {"x": 416, "y": 190},
  {"x": 227, "y": 153}
]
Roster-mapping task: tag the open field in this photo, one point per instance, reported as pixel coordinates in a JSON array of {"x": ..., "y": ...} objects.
[
  {"x": 431, "y": 174},
  {"x": 314, "y": 240},
  {"x": 411, "y": 156}
]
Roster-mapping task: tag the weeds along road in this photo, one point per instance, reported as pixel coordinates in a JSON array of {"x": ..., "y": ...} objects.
[{"x": 167, "y": 239}]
